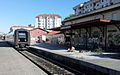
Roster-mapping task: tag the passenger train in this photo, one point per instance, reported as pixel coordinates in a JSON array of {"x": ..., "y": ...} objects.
[{"x": 20, "y": 39}]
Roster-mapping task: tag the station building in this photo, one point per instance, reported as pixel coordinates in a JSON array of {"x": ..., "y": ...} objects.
[{"x": 96, "y": 25}]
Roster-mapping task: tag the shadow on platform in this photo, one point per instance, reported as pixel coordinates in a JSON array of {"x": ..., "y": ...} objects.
[
  {"x": 108, "y": 55},
  {"x": 50, "y": 46}
]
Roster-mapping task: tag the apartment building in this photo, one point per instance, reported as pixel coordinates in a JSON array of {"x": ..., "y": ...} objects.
[
  {"x": 93, "y": 5},
  {"x": 97, "y": 25},
  {"x": 48, "y": 21}
]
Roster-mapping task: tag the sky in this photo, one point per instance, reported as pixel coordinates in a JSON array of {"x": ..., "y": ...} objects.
[{"x": 23, "y": 12}]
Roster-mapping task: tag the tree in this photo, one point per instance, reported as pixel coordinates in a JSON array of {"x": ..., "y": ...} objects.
[{"x": 71, "y": 15}]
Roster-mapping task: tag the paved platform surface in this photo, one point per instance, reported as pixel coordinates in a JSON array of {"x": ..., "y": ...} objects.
[
  {"x": 13, "y": 63},
  {"x": 107, "y": 60}
]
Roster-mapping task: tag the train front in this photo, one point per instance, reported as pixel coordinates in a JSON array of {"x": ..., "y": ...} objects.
[{"x": 22, "y": 39}]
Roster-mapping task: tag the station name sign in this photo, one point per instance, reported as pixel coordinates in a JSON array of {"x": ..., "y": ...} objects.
[{"x": 67, "y": 27}]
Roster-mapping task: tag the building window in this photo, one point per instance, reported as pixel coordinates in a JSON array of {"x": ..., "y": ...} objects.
[
  {"x": 79, "y": 12},
  {"x": 48, "y": 26},
  {"x": 79, "y": 8},
  {"x": 38, "y": 23},
  {"x": 114, "y": 16},
  {"x": 75, "y": 10},
  {"x": 38, "y": 19},
  {"x": 48, "y": 21},
  {"x": 91, "y": 5},
  {"x": 97, "y": 4},
  {"x": 39, "y": 27}
]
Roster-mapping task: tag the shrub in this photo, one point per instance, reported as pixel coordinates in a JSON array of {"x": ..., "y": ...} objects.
[{"x": 99, "y": 51}]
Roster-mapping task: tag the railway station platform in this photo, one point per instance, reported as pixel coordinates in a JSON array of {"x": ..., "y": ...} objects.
[
  {"x": 13, "y": 63},
  {"x": 92, "y": 63}
]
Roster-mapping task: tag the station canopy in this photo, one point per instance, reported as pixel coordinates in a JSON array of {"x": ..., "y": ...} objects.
[{"x": 97, "y": 22}]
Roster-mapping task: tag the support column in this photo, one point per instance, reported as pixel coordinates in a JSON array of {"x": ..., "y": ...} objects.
[
  {"x": 89, "y": 33},
  {"x": 105, "y": 37},
  {"x": 70, "y": 38},
  {"x": 86, "y": 38},
  {"x": 101, "y": 28}
]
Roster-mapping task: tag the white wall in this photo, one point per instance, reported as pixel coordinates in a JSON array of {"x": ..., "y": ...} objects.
[{"x": 51, "y": 22}]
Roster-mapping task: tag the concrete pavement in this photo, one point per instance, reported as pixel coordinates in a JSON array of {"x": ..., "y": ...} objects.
[
  {"x": 107, "y": 62},
  {"x": 13, "y": 63}
]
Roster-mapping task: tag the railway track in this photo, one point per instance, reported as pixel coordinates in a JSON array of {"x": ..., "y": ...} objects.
[{"x": 48, "y": 65}]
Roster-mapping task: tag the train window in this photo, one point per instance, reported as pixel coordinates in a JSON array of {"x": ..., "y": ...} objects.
[{"x": 22, "y": 35}]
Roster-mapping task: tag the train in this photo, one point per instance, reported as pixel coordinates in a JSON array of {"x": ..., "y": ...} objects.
[{"x": 20, "y": 39}]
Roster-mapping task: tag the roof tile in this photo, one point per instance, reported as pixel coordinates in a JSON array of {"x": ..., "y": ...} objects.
[{"x": 48, "y": 15}]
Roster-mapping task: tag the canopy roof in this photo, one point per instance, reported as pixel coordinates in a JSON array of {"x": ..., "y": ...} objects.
[{"x": 97, "y": 22}]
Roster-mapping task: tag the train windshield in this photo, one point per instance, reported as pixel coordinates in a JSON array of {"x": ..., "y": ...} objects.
[{"x": 22, "y": 35}]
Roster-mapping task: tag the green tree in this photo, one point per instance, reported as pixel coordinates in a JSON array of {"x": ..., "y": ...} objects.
[{"x": 71, "y": 15}]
